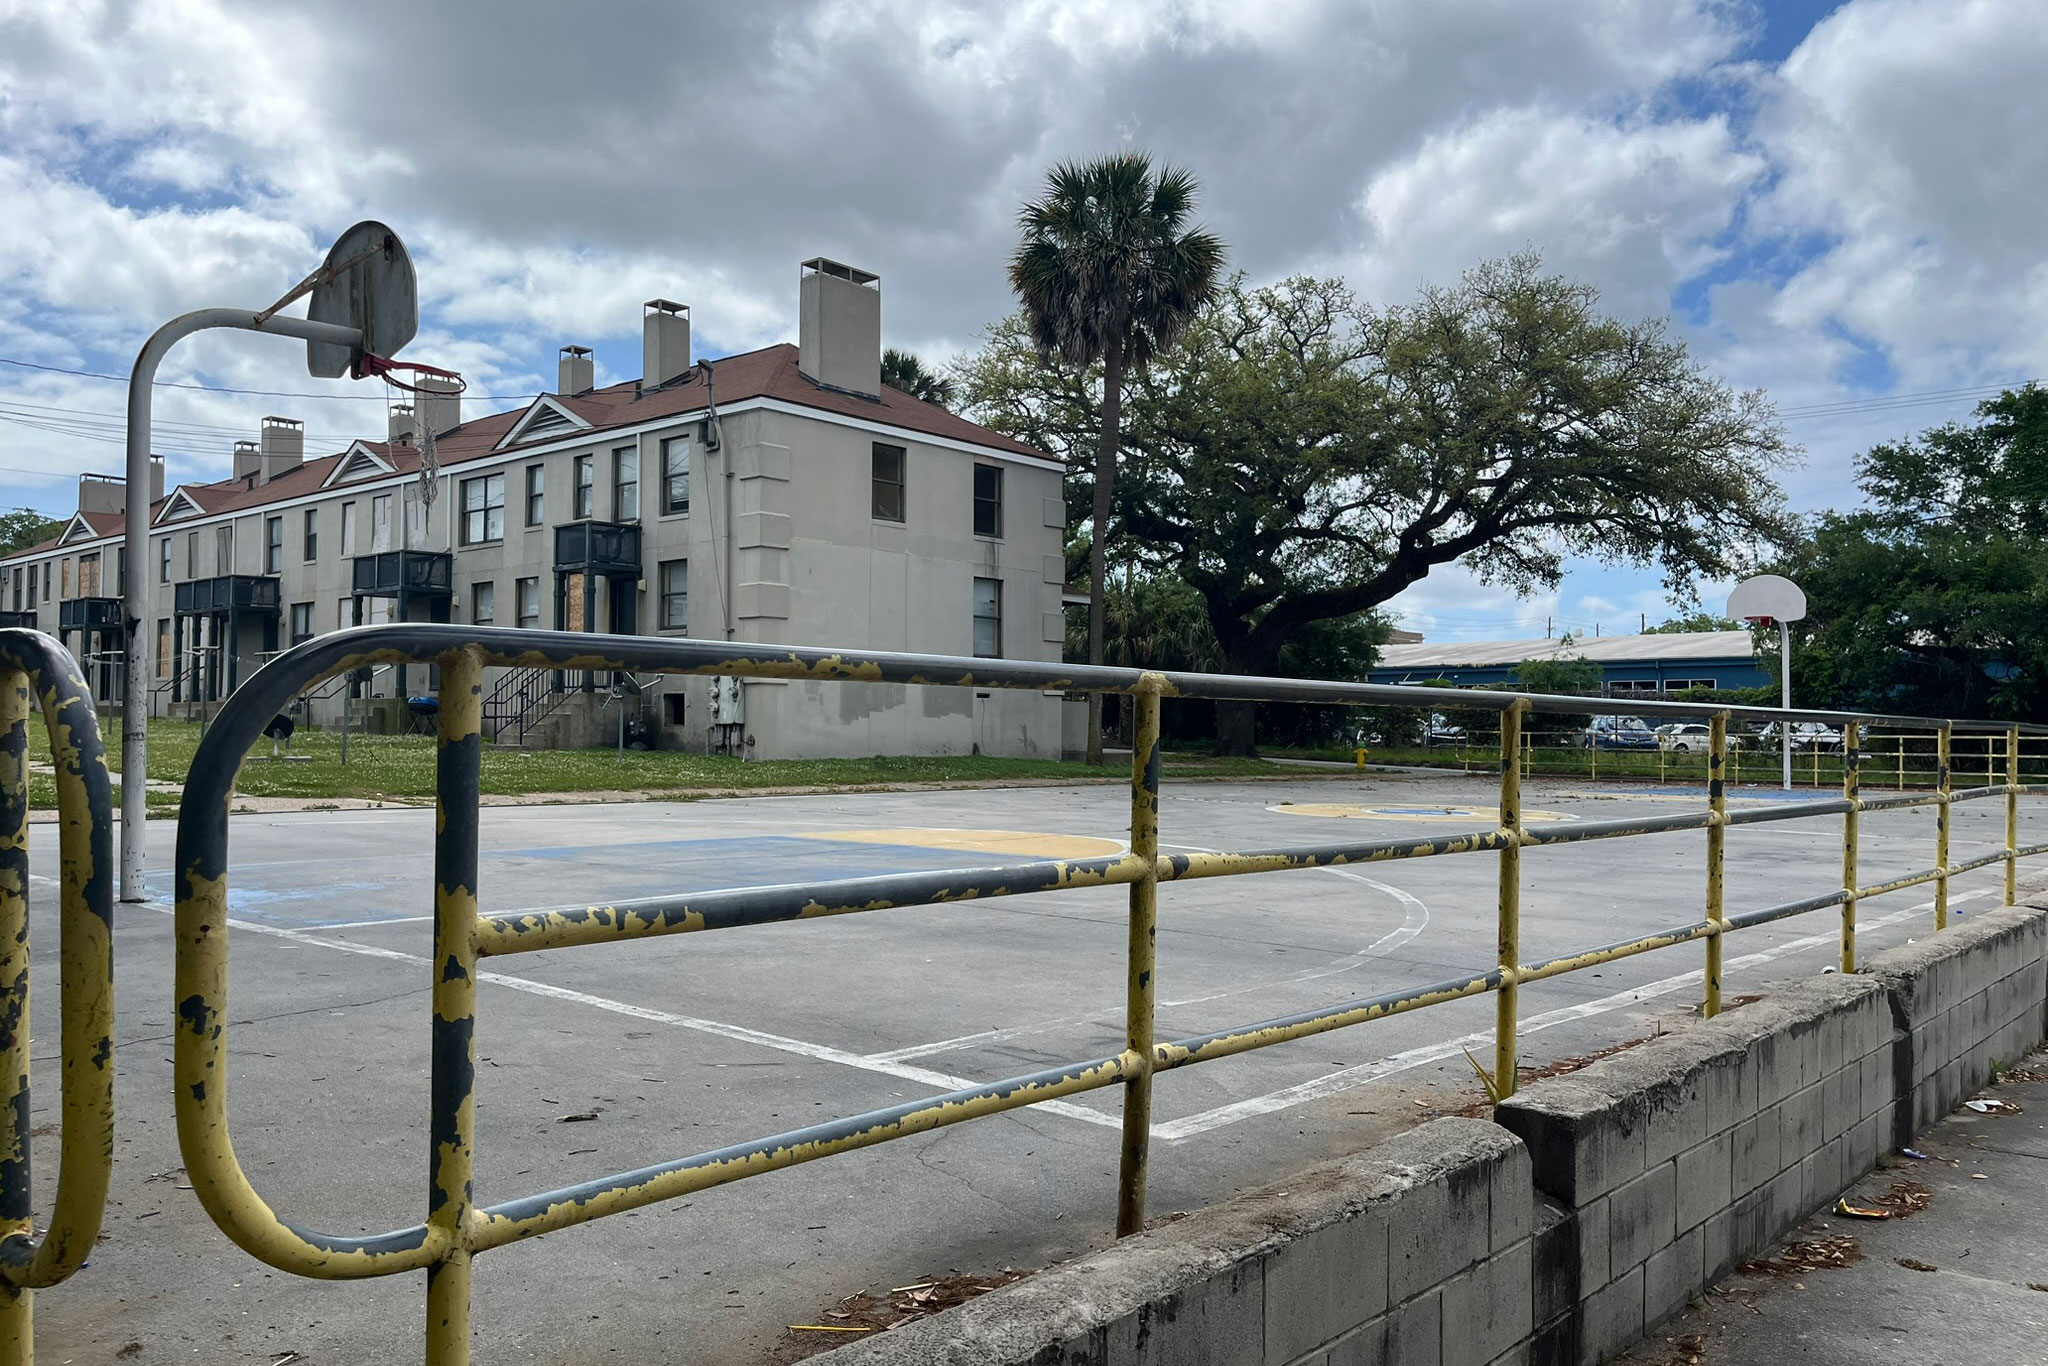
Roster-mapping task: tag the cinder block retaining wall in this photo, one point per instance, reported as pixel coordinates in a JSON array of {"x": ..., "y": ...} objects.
[{"x": 1595, "y": 1206}]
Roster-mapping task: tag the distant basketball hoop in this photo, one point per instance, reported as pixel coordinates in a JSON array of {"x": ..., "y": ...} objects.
[{"x": 1766, "y": 600}]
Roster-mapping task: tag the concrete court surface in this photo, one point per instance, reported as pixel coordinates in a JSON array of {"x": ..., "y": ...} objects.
[
  {"x": 1979, "y": 1300},
  {"x": 691, "y": 1042}
]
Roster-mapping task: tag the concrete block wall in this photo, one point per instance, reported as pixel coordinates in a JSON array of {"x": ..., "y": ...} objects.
[
  {"x": 1419, "y": 1250},
  {"x": 1675, "y": 1160},
  {"x": 1963, "y": 1002},
  {"x": 1598, "y": 1204}
]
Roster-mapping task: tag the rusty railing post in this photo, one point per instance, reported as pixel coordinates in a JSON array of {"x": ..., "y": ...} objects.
[
  {"x": 451, "y": 1159},
  {"x": 1851, "y": 792},
  {"x": 1142, "y": 989},
  {"x": 1717, "y": 844},
  {"x": 1510, "y": 946}
]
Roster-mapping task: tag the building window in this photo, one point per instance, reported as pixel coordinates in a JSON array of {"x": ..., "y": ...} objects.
[
  {"x": 163, "y": 647},
  {"x": 626, "y": 484},
  {"x": 302, "y": 622},
  {"x": 483, "y": 509},
  {"x": 415, "y": 518},
  {"x": 32, "y": 586},
  {"x": 1681, "y": 684},
  {"x": 348, "y": 528},
  {"x": 344, "y": 613},
  {"x": 191, "y": 554},
  {"x": 536, "y": 494},
  {"x": 64, "y": 584},
  {"x": 888, "y": 483},
  {"x": 675, "y": 475},
  {"x": 526, "y": 593},
  {"x": 311, "y": 545},
  {"x": 120, "y": 571},
  {"x": 675, "y": 594},
  {"x": 483, "y": 603},
  {"x": 988, "y": 618},
  {"x": 88, "y": 576},
  {"x": 380, "y": 523},
  {"x": 224, "y": 549},
  {"x": 585, "y": 469},
  {"x": 988, "y": 500},
  {"x": 273, "y": 545},
  {"x": 163, "y": 559}
]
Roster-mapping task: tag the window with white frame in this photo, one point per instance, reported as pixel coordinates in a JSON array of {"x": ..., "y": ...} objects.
[
  {"x": 302, "y": 622},
  {"x": 310, "y": 545},
  {"x": 163, "y": 559},
  {"x": 526, "y": 595},
  {"x": 988, "y": 618},
  {"x": 483, "y": 509},
  {"x": 380, "y": 523},
  {"x": 483, "y": 603},
  {"x": 675, "y": 476},
  {"x": 988, "y": 500},
  {"x": 584, "y": 470},
  {"x": 348, "y": 528},
  {"x": 626, "y": 484},
  {"x": 536, "y": 494},
  {"x": 273, "y": 545},
  {"x": 886, "y": 479},
  {"x": 675, "y": 595}
]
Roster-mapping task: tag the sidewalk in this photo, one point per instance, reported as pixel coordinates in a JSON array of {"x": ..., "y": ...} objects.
[{"x": 1976, "y": 1289}]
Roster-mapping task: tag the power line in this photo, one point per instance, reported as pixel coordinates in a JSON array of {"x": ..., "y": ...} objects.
[{"x": 247, "y": 393}]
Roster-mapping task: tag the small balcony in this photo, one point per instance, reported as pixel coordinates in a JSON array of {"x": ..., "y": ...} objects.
[
  {"x": 404, "y": 573},
  {"x": 605, "y": 548},
  {"x": 89, "y": 614},
  {"x": 255, "y": 593},
  {"x": 24, "y": 620}
]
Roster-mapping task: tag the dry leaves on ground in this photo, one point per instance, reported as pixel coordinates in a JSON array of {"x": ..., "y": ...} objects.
[
  {"x": 1905, "y": 1198},
  {"x": 877, "y": 1313},
  {"x": 1807, "y": 1254}
]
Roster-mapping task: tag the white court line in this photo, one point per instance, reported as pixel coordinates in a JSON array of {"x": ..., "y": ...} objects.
[
  {"x": 1348, "y": 1078},
  {"x": 942, "y": 1081},
  {"x": 1412, "y": 924}
]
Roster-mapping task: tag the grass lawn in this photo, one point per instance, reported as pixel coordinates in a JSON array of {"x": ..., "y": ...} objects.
[{"x": 401, "y": 767}]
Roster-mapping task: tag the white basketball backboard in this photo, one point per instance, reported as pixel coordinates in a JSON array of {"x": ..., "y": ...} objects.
[
  {"x": 1767, "y": 597},
  {"x": 367, "y": 283}
]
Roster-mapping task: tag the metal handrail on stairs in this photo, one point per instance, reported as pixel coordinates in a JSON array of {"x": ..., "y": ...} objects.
[{"x": 520, "y": 699}]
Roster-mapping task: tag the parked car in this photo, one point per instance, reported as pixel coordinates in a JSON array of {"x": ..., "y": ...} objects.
[
  {"x": 1618, "y": 732},
  {"x": 1806, "y": 735},
  {"x": 1685, "y": 737},
  {"x": 1438, "y": 731}
]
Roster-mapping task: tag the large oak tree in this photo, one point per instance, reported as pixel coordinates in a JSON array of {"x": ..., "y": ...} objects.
[{"x": 1304, "y": 456}]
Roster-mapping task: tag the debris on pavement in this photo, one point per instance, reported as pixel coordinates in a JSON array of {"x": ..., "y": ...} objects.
[
  {"x": 867, "y": 1313},
  {"x": 1993, "y": 1106},
  {"x": 1842, "y": 1206},
  {"x": 1913, "y": 1153},
  {"x": 1807, "y": 1254},
  {"x": 1905, "y": 1198},
  {"x": 1912, "y": 1265}
]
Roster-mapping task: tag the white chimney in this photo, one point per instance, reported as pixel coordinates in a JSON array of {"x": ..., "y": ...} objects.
[
  {"x": 664, "y": 342},
  {"x": 404, "y": 425},
  {"x": 577, "y": 373},
  {"x": 248, "y": 459},
  {"x": 109, "y": 492},
  {"x": 839, "y": 327},
  {"x": 282, "y": 447},
  {"x": 438, "y": 404}
]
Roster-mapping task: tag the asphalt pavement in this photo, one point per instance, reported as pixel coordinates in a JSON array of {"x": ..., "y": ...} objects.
[{"x": 688, "y": 1043}]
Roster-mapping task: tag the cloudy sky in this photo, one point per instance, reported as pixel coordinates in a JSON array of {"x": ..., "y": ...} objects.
[{"x": 1841, "y": 203}]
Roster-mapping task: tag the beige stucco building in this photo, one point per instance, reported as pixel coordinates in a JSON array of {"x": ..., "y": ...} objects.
[{"x": 783, "y": 496}]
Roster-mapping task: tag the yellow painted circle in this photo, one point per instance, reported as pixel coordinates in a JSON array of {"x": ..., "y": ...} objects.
[
  {"x": 1412, "y": 811},
  {"x": 1017, "y": 843}
]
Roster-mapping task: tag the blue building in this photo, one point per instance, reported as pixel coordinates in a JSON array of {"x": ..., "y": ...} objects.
[{"x": 1628, "y": 664}]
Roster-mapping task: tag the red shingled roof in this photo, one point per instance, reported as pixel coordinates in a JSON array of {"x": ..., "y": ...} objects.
[{"x": 768, "y": 373}]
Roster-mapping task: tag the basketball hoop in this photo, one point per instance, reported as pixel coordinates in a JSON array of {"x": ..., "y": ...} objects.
[{"x": 376, "y": 367}]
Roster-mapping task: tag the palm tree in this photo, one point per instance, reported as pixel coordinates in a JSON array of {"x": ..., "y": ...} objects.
[
  {"x": 1109, "y": 271},
  {"x": 903, "y": 371}
]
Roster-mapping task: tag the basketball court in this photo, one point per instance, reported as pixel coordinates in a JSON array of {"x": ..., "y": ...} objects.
[{"x": 597, "y": 1060}]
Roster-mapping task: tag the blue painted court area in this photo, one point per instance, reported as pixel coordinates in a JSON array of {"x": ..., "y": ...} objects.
[{"x": 319, "y": 893}]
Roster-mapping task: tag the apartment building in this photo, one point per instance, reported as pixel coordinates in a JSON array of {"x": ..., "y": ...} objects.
[{"x": 782, "y": 496}]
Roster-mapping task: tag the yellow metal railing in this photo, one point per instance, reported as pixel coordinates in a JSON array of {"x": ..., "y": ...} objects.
[
  {"x": 456, "y": 1228},
  {"x": 39, "y": 675}
]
